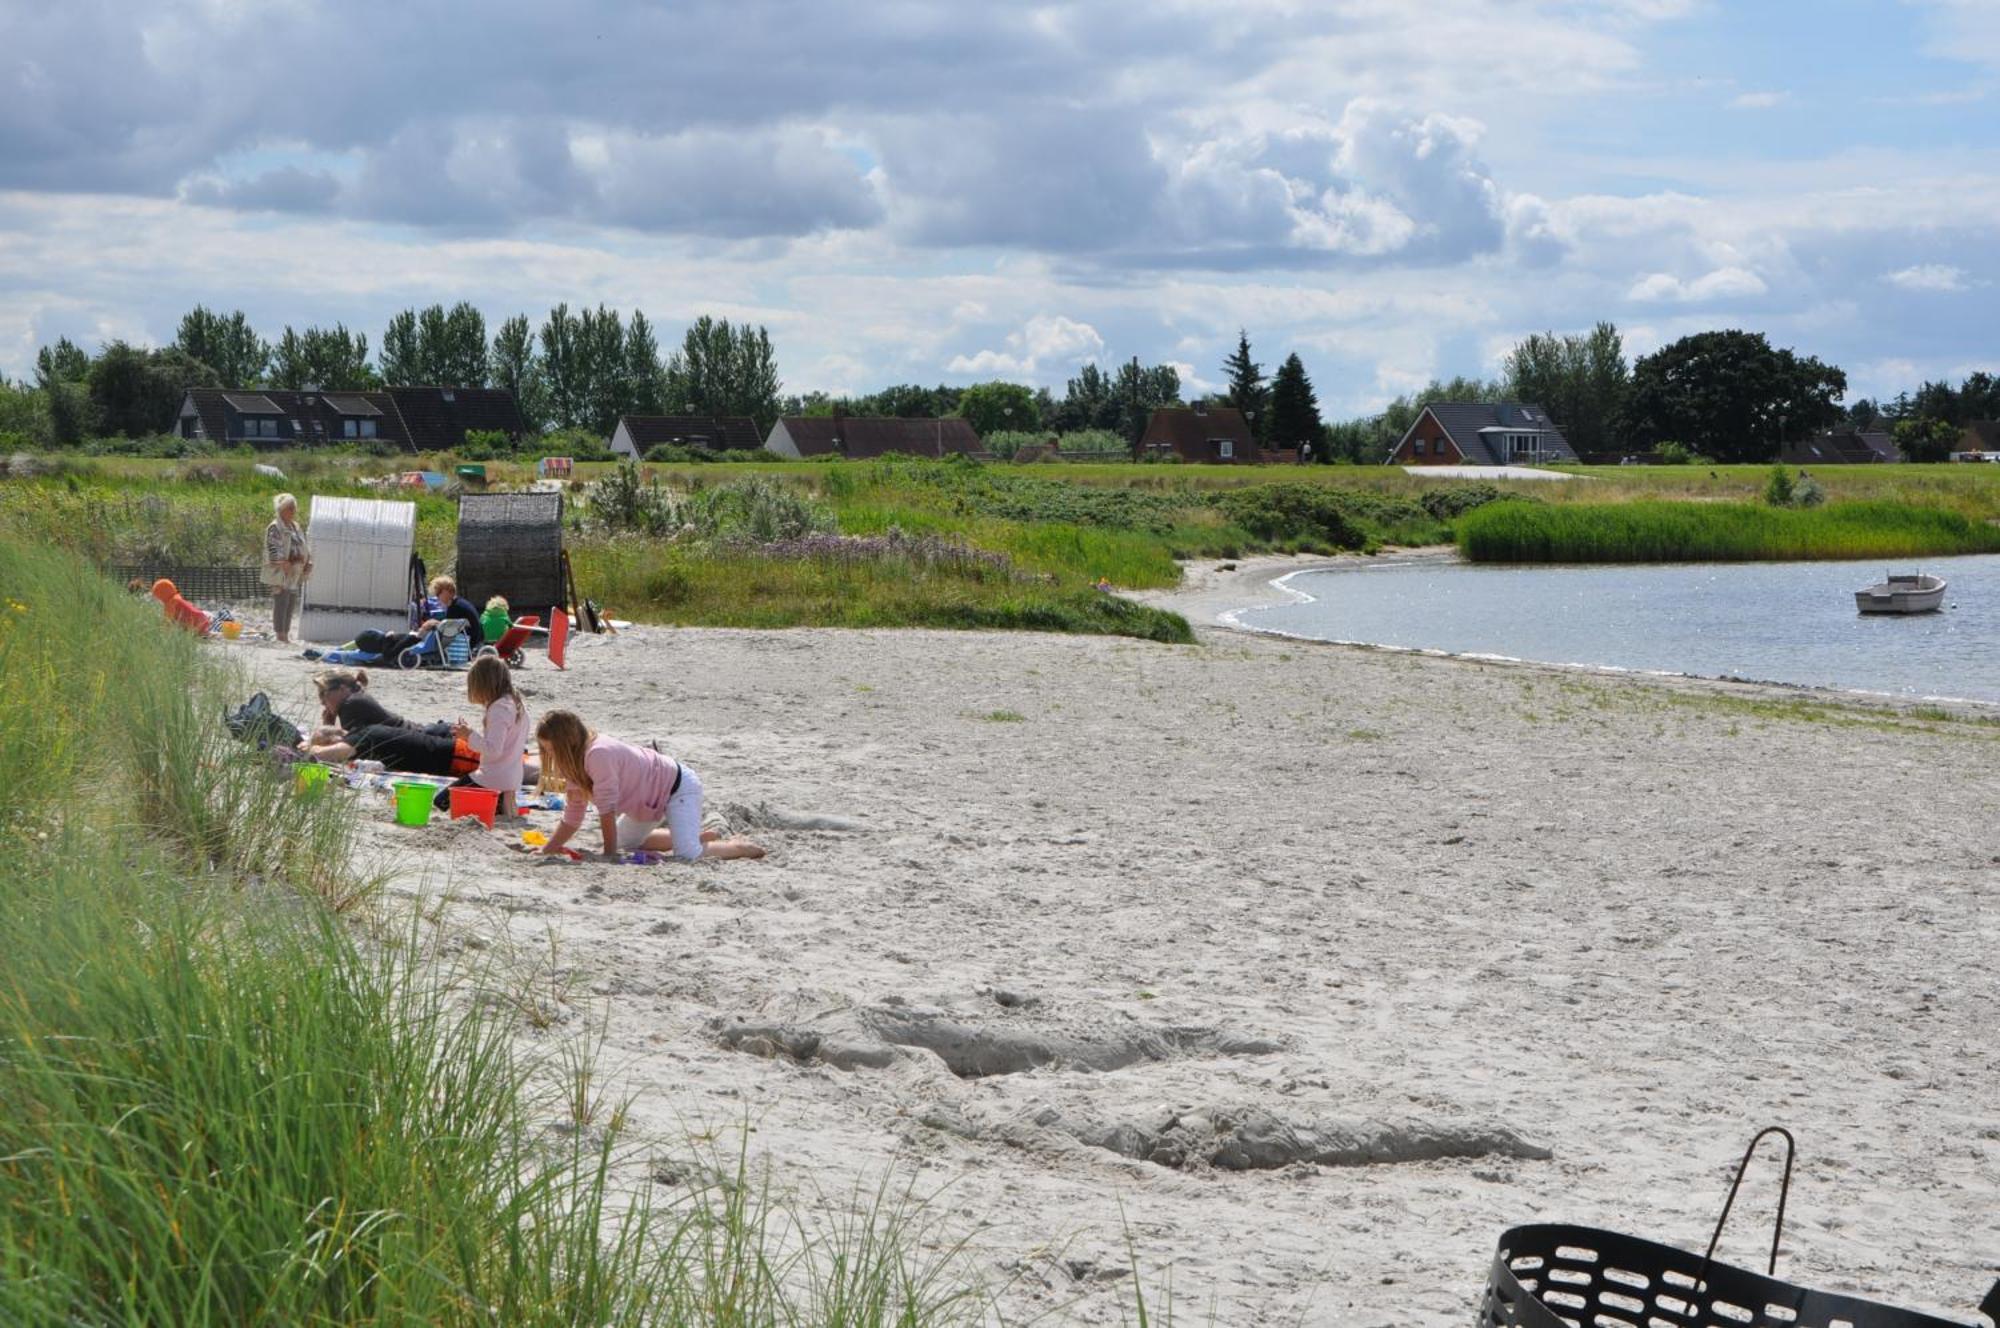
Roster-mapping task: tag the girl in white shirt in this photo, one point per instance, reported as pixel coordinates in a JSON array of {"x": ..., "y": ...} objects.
[{"x": 503, "y": 732}]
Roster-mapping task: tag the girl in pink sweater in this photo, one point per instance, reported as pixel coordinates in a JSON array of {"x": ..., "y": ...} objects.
[{"x": 644, "y": 800}]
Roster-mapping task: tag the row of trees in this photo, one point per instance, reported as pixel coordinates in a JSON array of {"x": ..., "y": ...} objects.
[{"x": 579, "y": 370}]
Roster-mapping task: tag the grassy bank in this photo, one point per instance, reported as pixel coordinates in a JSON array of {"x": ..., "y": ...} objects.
[
  {"x": 218, "y": 1105},
  {"x": 1652, "y": 531}
]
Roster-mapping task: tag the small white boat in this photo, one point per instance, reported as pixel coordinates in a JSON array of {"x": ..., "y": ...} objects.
[{"x": 1915, "y": 592}]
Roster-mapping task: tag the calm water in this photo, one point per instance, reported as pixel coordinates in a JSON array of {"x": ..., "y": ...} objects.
[{"x": 1779, "y": 622}]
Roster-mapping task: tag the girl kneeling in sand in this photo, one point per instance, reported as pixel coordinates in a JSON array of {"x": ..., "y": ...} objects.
[{"x": 635, "y": 789}]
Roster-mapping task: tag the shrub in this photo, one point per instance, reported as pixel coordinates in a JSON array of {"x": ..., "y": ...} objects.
[
  {"x": 1807, "y": 493},
  {"x": 1315, "y": 515},
  {"x": 1449, "y": 501},
  {"x": 485, "y": 445},
  {"x": 1778, "y": 487}
]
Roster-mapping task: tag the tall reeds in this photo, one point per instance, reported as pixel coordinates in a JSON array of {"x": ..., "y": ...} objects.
[{"x": 1659, "y": 532}]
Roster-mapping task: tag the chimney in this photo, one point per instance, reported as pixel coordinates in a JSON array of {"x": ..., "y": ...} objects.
[{"x": 1201, "y": 407}]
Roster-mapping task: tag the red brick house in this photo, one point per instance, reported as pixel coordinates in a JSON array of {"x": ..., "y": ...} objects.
[
  {"x": 1497, "y": 433},
  {"x": 1212, "y": 435}
]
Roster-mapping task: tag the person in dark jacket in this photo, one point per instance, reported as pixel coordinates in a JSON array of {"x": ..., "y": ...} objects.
[{"x": 446, "y": 602}]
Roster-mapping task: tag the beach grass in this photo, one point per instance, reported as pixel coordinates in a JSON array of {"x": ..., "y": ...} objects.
[
  {"x": 221, "y": 1101},
  {"x": 1652, "y": 531}
]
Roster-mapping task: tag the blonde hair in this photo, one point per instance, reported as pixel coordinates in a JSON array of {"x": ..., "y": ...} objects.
[
  {"x": 564, "y": 738},
  {"x": 355, "y": 680},
  {"x": 281, "y": 502},
  {"x": 498, "y": 602},
  {"x": 444, "y": 582},
  {"x": 488, "y": 680}
]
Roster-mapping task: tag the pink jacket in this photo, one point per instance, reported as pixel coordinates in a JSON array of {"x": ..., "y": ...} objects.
[
  {"x": 624, "y": 781},
  {"x": 500, "y": 746}
]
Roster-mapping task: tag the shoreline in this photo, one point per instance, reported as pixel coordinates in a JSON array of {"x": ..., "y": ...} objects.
[{"x": 1216, "y": 592}]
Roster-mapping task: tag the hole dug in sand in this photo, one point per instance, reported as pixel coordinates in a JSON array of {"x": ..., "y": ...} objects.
[
  {"x": 1243, "y": 1138},
  {"x": 873, "y": 1037}
]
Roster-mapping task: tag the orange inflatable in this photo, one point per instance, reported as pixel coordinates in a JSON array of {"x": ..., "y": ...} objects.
[{"x": 179, "y": 610}]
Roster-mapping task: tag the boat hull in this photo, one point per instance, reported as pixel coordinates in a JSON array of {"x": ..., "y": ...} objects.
[{"x": 1902, "y": 595}]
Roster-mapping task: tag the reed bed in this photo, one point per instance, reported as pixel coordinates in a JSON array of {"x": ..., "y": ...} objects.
[{"x": 1658, "y": 532}]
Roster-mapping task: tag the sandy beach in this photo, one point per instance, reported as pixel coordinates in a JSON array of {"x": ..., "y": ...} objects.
[{"x": 1302, "y": 971}]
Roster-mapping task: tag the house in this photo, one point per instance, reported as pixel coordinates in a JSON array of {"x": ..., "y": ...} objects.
[
  {"x": 1841, "y": 447},
  {"x": 638, "y": 434},
  {"x": 1486, "y": 433},
  {"x": 1979, "y": 442},
  {"x": 859, "y": 438},
  {"x": 417, "y": 419},
  {"x": 1200, "y": 433}
]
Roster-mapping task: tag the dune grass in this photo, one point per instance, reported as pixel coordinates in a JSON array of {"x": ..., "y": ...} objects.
[
  {"x": 1654, "y": 531},
  {"x": 221, "y": 1102}
]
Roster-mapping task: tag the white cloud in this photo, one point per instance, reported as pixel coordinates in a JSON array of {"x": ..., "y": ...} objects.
[
  {"x": 1045, "y": 343},
  {"x": 1725, "y": 283},
  {"x": 1759, "y": 101},
  {"x": 1939, "y": 277}
]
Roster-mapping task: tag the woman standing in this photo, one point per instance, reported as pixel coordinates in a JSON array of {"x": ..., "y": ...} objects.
[{"x": 287, "y": 562}]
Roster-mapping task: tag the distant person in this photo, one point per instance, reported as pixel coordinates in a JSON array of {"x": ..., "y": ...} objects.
[
  {"x": 287, "y": 562},
  {"x": 644, "y": 800},
  {"x": 179, "y": 611}
]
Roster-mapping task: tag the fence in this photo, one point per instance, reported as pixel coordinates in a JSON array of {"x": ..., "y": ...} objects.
[{"x": 223, "y": 584}]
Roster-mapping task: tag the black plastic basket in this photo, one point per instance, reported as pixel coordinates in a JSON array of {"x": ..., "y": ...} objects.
[{"x": 1554, "y": 1276}]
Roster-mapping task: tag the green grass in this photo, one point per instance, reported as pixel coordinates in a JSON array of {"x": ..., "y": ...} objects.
[
  {"x": 221, "y": 1102},
  {"x": 1653, "y": 531}
]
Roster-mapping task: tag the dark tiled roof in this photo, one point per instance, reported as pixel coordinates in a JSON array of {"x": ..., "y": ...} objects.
[
  {"x": 312, "y": 420},
  {"x": 436, "y": 419},
  {"x": 350, "y": 404},
  {"x": 1190, "y": 433},
  {"x": 864, "y": 437},
  {"x": 1980, "y": 436},
  {"x": 712, "y": 431},
  {"x": 1463, "y": 420},
  {"x": 1840, "y": 447}
]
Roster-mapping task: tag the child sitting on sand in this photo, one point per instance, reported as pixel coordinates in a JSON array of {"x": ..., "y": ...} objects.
[
  {"x": 635, "y": 789},
  {"x": 503, "y": 729},
  {"x": 179, "y": 611}
]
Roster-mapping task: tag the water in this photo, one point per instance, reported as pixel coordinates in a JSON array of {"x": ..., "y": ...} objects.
[{"x": 1777, "y": 622}]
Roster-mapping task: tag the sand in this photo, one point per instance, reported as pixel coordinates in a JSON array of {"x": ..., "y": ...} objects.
[{"x": 1305, "y": 970}]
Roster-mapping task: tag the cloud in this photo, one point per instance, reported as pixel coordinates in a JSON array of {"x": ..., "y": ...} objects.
[
  {"x": 1940, "y": 277},
  {"x": 1044, "y": 342},
  {"x": 1726, "y": 283},
  {"x": 1759, "y": 101}
]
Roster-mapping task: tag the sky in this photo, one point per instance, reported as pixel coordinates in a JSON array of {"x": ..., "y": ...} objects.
[{"x": 956, "y": 190}]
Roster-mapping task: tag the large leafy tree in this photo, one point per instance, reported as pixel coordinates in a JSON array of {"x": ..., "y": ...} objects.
[
  {"x": 137, "y": 392},
  {"x": 225, "y": 343},
  {"x": 725, "y": 369},
  {"x": 1926, "y": 438},
  {"x": 992, "y": 407},
  {"x": 600, "y": 334},
  {"x": 645, "y": 376},
  {"x": 330, "y": 358},
  {"x": 1581, "y": 380},
  {"x": 60, "y": 373},
  {"x": 1294, "y": 409},
  {"x": 1729, "y": 395},
  {"x": 436, "y": 347},
  {"x": 1246, "y": 384},
  {"x": 516, "y": 367}
]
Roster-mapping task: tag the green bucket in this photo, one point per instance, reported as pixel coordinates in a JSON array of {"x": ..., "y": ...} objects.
[
  {"x": 312, "y": 778},
  {"x": 413, "y": 803}
]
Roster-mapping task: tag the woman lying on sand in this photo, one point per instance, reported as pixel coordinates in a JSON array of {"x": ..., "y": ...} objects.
[
  {"x": 354, "y": 726},
  {"x": 635, "y": 790}
]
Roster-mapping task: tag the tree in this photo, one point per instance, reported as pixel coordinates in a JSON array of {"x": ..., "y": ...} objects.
[
  {"x": 991, "y": 407},
  {"x": 60, "y": 370},
  {"x": 1294, "y": 409},
  {"x": 1086, "y": 402},
  {"x": 1135, "y": 393},
  {"x": 402, "y": 356},
  {"x": 563, "y": 373},
  {"x": 516, "y": 368},
  {"x": 1246, "y": 385},
  {"x": 1730, "y": 395},
  {"x": 436, "y": 347},
  {"x": 227, "y": 345},
  {"x": 1863, "y": 414},
  {"x": 600, "y": 342},
  {"x": 1581, "y": 381},
  {"x": 645, "y": 376},
  {"x": 722, "y": 369},
  {"x": 1926, "y": 438},
  {"x": 137, "y": 393},
  {"x": 331, "y": 359}
]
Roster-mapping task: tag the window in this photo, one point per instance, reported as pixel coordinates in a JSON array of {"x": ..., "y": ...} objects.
[
  {"x": 368, "y": 428},
  {"x": 1225, "y": 448},
  {"x": 349, "y": 429}
]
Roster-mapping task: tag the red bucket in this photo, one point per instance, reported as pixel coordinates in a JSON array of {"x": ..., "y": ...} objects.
[{"x": 480, "y": 802}]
